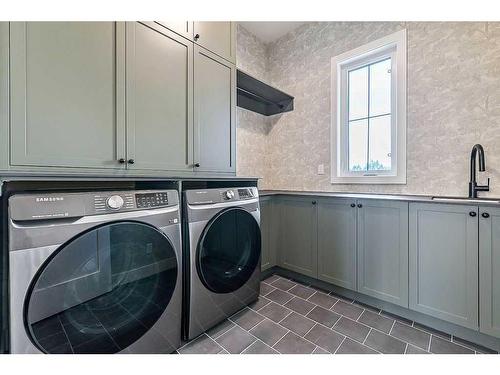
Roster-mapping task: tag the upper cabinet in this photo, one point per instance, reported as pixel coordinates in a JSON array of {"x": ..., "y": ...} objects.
[
  {"x": 218, "y": 37},
  {"x": 214, "y": 113},
  {"x": 183, "y": 28},
  {"x": 159, "y": 98},
  {"x": 65, "y": 108}
]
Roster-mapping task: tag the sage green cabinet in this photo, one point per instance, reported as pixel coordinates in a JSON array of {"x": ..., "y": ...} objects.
[
  {"x": 268, "y": 232},
  {"x": 297, "y": 246},
  {"x": 489, "y": 271},
  {"x": 214, "y": 113},
  {"x": 444, "y": 262},
  {"x": 218, "y": 37},
  {"x": 66, "y": 101},
  {"x": 382, "y": 232},
  {"x": 337, "y": 242},
  {"x": 159, "y": 98}
]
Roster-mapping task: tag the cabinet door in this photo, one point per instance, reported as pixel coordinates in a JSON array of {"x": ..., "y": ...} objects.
[
  {"x": 383, "y": 250},
  {"x": 444, "y": 262},
  {"x": 298, "y": 236},
  {"x": 214, "y": 113},
  {"x": 183, "y": 28},
  {"x": 218, "y": 37},
  {"x": 159, "y": 98},
  {"x": 268, "y": 258},
  {"x": 67, "y": 95},
  {"x": 489, "y": 271},
  {"x": 337, "y": 242}
]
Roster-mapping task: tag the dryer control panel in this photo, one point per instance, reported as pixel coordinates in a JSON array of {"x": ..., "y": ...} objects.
[{"x": 211, "y": 196}]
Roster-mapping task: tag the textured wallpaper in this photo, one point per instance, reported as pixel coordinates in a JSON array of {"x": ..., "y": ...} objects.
[{"x": 453, "y": 102}]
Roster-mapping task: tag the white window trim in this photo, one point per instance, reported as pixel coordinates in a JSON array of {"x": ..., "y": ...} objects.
[{"x": 395, "y": 45}]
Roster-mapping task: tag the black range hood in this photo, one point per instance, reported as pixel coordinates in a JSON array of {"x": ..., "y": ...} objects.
[{"x": 260, "y": 97}]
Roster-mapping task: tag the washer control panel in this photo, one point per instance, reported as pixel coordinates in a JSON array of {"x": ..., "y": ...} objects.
[{"x": 147, "y": 200}]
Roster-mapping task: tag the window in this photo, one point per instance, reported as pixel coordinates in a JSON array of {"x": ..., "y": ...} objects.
[{"x": 369, "y": 127}]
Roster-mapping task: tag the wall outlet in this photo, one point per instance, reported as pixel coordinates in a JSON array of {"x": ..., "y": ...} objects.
[{"x": 321, "y": 169}]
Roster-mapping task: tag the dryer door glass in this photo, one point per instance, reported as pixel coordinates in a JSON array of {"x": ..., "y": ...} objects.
[
  {"x": 102, "y": 291},
  {"x": 229, "y": 250}
]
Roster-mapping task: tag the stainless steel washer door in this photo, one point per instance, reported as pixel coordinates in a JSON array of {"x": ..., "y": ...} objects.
[
  {"x": 229, "y": 250},
  {"x": 101, "y": 291}
]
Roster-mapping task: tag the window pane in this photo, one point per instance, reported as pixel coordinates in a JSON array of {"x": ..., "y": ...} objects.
[
  {"x": 380, "y": 143},
  {"x": 380, "y": 88},
  {"x": 358, "y": 145},
  {"x": 358, "y": 93}
]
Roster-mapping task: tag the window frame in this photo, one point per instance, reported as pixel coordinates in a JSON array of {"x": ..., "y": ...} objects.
[{"x": 393, "y": 46}]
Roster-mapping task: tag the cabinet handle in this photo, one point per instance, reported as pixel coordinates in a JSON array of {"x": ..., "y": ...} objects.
[
  {"x": 196, "y": 37},
  {"x": 121, "y": 161},
  {"x": 485, "y": 215},
  {"x": 131, "y": 161},
  {"x": 472, "y": 213},
  {"x": 313, "y": 202},
  {"x": 353, "y": 205},
  {"x": 360, "y": 205},
  {"x": 197, "y": 165}
]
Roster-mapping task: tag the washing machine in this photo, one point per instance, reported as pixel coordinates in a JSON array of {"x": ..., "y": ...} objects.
[
  {"x": 95, "y": 272},
  {"x": 222, "y": 255}
]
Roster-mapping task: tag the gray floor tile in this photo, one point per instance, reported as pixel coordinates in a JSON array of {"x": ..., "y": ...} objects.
[
  {"x": 396, "y": 317},
  {"x": 440, "y": 346},
  {"x": 299, "y": 305},
  {"x": 293, "y": 344},
  {"x": 352, "y": 347},
  {"x": 268, "y": 331},
  {"x": 274, "y": 311},
  {"x": 265, "y": 289},
  {"x": 342, "y": 298},
  {"x": 323, "y": 300},
  {"x": 298, "y": 323},
  {"x": 201, "y": 345},
  {"x": 414, "y": 350},
  {"x": 279, "y": 296},
  {"x": 235, "y": 340},
  {"x": 271, "y": 279},
  {"x": 220, "y": 328},
  {"x": 302, "y": 291},
  {"x": 376, "y": 321},
  {"x": 365, "y": 306},
  {"x": 319, "y": 289},
  {"x": 478, "y": 348},
  {"x": 325, "y": 338},
  {"x": 411, "y": 335},
  {"x": 323, "y": 316},
  {"x": 384, "y": 343},
  {"x": 247, "y": 318},
  {"x": 352, "y": 329},
  {"x": 258, "y": 347},
  {"x": 283, "y": 284},
  {"x": 319, "y": 350},
  {"x": 260, "y": 303},
  {"x": 347, "y": 309},
  {"x": 433, "y": 331}
]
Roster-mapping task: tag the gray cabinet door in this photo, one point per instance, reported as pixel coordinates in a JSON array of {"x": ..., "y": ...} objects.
[
  {"x": 218, "y": 37},
  {"x": 268, "y": 258},
  {"x": 383, "y": 250},
  {"x": 214, "y": 113},
  {"x": 489, "y": 271},
  {"x": 298, "y": 235},
  {"x": 183, "y": 28},
  {"x": 67, "y": 95},
  {"x": 444, "y": 262},
  {"x": 159, "y": 98},
  {"x": 337, "y": 242}
]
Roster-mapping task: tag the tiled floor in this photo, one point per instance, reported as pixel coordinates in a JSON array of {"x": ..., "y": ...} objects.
[{"x": 290, "y": 317}]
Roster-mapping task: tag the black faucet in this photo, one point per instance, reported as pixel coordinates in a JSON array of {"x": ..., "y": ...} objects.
[{"x": 473, "y": 186}]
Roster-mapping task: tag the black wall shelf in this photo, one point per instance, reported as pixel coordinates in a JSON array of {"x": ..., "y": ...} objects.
[{"x": 260, "y": 97}]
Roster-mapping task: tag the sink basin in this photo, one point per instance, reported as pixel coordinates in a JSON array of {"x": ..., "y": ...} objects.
[{"x": 466, "y": 200}]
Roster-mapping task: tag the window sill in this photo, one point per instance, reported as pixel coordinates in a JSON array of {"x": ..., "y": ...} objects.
[{"x": 367, "y": 180}]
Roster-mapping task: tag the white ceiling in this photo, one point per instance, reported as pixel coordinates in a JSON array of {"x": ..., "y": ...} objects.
[{"x": 270, "y": 31}]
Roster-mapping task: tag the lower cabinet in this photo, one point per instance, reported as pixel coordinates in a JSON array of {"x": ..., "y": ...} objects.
[
  {"x": 489, "y": 271},
  {"x": 337, "y": 242},
  {"x": 444, "y": 262},
  {"x": 268, "y": 245},
  {"x": 297, "y": 235},
  {"x": 383, "y": 250}
]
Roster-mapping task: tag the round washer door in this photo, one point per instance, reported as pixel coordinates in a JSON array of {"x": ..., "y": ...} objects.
[
  {"x": 101, "y": 291},
  {"x": 229, "y": 250}
]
